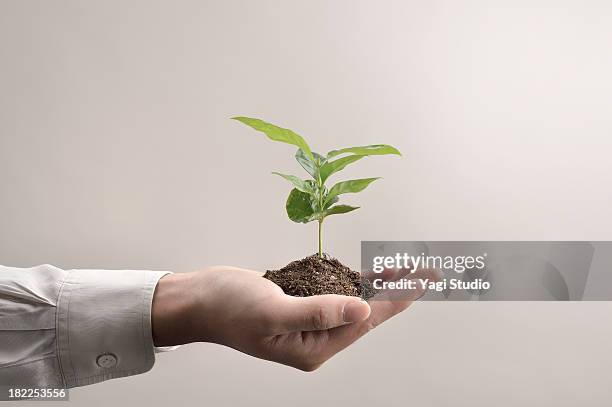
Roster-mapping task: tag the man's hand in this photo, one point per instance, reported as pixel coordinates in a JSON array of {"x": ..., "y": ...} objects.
[{"x": 238, "y": 308}]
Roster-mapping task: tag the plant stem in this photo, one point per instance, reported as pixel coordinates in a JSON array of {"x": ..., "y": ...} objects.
[
  {"x": 320, "y": 190},
  {"x": 320, "y": 239}
]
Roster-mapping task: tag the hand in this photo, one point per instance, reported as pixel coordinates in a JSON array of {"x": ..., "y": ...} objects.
[{"x": 238, "y": 308}]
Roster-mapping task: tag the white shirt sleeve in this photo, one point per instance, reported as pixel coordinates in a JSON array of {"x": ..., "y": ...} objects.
[{"x": 69, "y": 328}]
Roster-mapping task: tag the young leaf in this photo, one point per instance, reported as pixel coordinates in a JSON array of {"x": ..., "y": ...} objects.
[
  {"x": 330, "y": 202},
  {"x": 311, "y": 166},
  {"x": 352, "y": 186},
  {"x": 298, "y": 206},
  {"x": 276, "y": 133},
  {"x": 334, "y": 210},
  {"x": 299, "y": 184},
  {"x": 374, "y": 149},
  {"x": 337, "y": 165}
]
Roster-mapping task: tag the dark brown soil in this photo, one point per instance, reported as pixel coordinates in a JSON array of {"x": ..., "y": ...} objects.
[{"x": 315, "y": 276}]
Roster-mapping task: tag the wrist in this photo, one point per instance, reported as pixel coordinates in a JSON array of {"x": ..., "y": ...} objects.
[{"x": 171, "y": 309}]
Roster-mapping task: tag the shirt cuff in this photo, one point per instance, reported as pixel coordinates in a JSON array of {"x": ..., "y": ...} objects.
[{"x": 103, "y": 324}]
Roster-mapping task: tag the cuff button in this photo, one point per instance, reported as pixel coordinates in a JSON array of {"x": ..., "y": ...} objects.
[{"x": 107, "y": 360}]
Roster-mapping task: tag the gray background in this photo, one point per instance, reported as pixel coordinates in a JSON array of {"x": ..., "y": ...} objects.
[{"x": 116, "y": 152}]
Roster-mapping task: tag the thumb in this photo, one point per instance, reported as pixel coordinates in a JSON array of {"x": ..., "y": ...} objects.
[{"x": 321, "y": 312}]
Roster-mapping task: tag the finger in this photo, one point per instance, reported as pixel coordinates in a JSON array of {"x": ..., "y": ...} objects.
[
  {"x": 381, "y": 311},
  {"x": 338, "y": 338},
  {"x": 321, "y": 312}
]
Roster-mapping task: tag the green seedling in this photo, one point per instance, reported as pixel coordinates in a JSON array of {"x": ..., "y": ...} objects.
[{"x": 310, "y": 200}]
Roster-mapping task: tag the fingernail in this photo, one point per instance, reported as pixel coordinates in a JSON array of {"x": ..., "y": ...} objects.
[{"x": 355, "y": 311}]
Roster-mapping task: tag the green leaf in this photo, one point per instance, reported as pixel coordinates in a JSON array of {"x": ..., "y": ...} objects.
[
  {"x": 337, "y": 165},
  {"x": 331, "y": 201},
  {"x": 311, "y": 166},
  {"x": 276, "y": 133},
  {"x": 338, "y": 209},
  {"x": 352, "y": 186},
  {"x": 298, "y": 206},
  {"x": 374, "y": 149},
  {"x": 299, "y": 184},
  {"x": 306, "y": 162}
]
